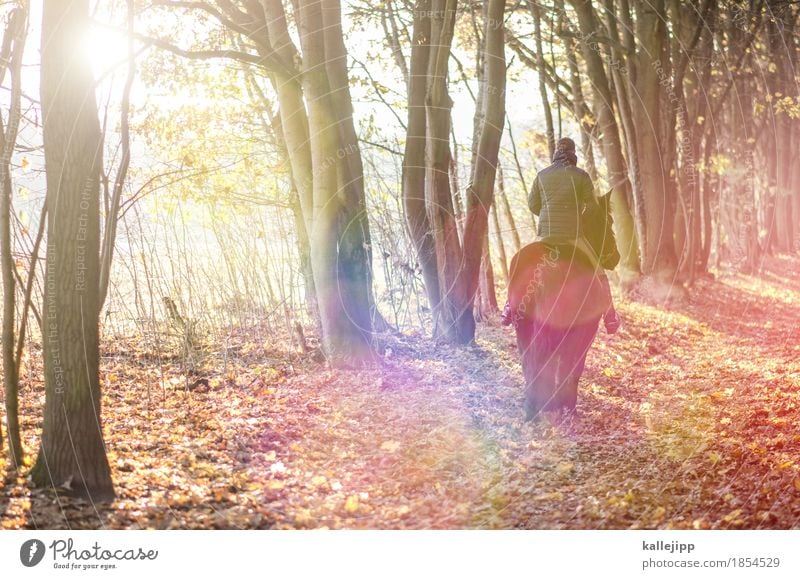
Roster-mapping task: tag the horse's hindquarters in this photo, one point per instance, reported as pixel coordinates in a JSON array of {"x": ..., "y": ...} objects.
[
  {"x": 554, "y": 286},
  {"x": 553, "y": 360},
  {"x": 558, "y": 303}
]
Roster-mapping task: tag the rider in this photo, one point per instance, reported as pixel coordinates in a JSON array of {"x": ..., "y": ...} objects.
[{"x": 561, "y": 194}]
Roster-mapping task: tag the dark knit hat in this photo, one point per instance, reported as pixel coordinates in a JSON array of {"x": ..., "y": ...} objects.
[{"x": 565, "y": 145}]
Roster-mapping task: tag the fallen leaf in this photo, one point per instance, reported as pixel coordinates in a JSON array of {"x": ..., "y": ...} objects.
[
  {"x": 390, "y": 446},
  {"x": 351, "y": 504}
]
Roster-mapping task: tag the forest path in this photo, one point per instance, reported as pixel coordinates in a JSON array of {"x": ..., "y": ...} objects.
[{"x": 687, "y": 419}]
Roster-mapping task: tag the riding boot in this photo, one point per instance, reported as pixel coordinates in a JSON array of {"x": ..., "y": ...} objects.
[{"x": 611, "y": 318}]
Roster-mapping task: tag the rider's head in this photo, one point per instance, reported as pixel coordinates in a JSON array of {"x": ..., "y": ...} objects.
[
  {"x": 566, "y": 145},
  {"x": 565, "y": 149}
]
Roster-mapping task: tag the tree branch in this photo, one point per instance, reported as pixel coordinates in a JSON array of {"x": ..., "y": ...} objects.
[{"x": 203, "y": 7}]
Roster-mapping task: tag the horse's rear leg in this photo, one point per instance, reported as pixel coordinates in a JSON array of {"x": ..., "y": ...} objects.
[
  {"x": 525, "y": 334},
  {"x": 541, "y": 378},
  {"x": 575, "y": 347}
]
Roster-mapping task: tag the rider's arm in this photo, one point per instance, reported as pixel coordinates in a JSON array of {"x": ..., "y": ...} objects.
[
  {"x": 588, "y": 198},
  {"x": 535, "y": 197}
]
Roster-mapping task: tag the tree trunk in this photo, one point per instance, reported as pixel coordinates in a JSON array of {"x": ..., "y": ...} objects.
[
  {"x": 480, "y": 193},
  {"x": 707, "y": 192},
  {"x": 770, "y": 198},
  {"x": 293, "y": 118},
  {"x": 298, "y": 217},
  {"x": 578, "y": 106},
  {"x": 339, "y": 268},
  {"x": 455, "y": 187},
  {"x": 355, "y": 240},
  {"x": 72, "y": 454},
  {"x": 413, "y": 179},
  {"x": 304, "y": 254},
  {"x": 112, "y": 216},
  {"x": 540, "y": 73},
  {"x": 455, "y": 322},
  {"x": 743, "y": 187},
  {"x": 498, "y": 235},
  {"x": 512, "y": 225},
  {"x": 659, "y": 258},
  {"x": 625, "y": 229},
  {"x": 486, "y": 297},
  {"x": 13, "y": 46},
  {"x": 782, "y": 86},
  {"x": 621, "y": 69}
]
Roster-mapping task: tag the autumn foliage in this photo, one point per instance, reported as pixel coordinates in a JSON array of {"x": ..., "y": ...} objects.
[{"x": 685, "y": 420}]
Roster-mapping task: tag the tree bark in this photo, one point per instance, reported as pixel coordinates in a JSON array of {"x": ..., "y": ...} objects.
[
  {"x": 548, "y": 115},
  {"x": 339, "y": 273},
  {"x": 486, "y": 297},
  {"x": 501, "y": 249},
  {"x": 355, "y": 240},
  {"x": 586, "y": 122},
  {"x": 413, "y": 179},
  {"x": 652, "y": 68},
  {"x": 480, "y": 193},
  {"x": 455, "y": 321},
  {"x": 11, "y": 55},
  {"x": 72, "y": 454},
  {"x": 625, "y": 227},
  {"x": 512, "y": 225},
  {"x": 110, "y": 221}
]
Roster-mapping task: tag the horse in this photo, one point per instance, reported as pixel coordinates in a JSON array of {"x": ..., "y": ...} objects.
[{"x": 557, "y": 300}]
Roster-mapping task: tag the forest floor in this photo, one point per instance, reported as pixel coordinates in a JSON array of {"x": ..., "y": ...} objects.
[{"x": 687, "y": 418}]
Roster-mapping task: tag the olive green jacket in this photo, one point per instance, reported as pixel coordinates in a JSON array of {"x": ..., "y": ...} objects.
[{"x": 559, "y": 196}]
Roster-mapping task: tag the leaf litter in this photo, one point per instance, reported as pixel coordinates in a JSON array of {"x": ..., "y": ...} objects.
[{"x": 686, "y": 419}]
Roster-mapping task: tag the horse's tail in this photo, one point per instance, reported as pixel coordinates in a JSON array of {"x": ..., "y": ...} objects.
[{"x": 526, "y": 277}]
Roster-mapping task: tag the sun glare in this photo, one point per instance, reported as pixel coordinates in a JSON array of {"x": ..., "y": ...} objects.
[{"x": 105, "y": 48}]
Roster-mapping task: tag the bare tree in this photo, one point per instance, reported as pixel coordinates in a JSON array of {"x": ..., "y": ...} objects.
[{"x": 14, "y": 38}]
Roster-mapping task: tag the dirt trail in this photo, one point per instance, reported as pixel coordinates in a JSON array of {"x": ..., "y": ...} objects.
[{"x": 687, "y": 419}]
